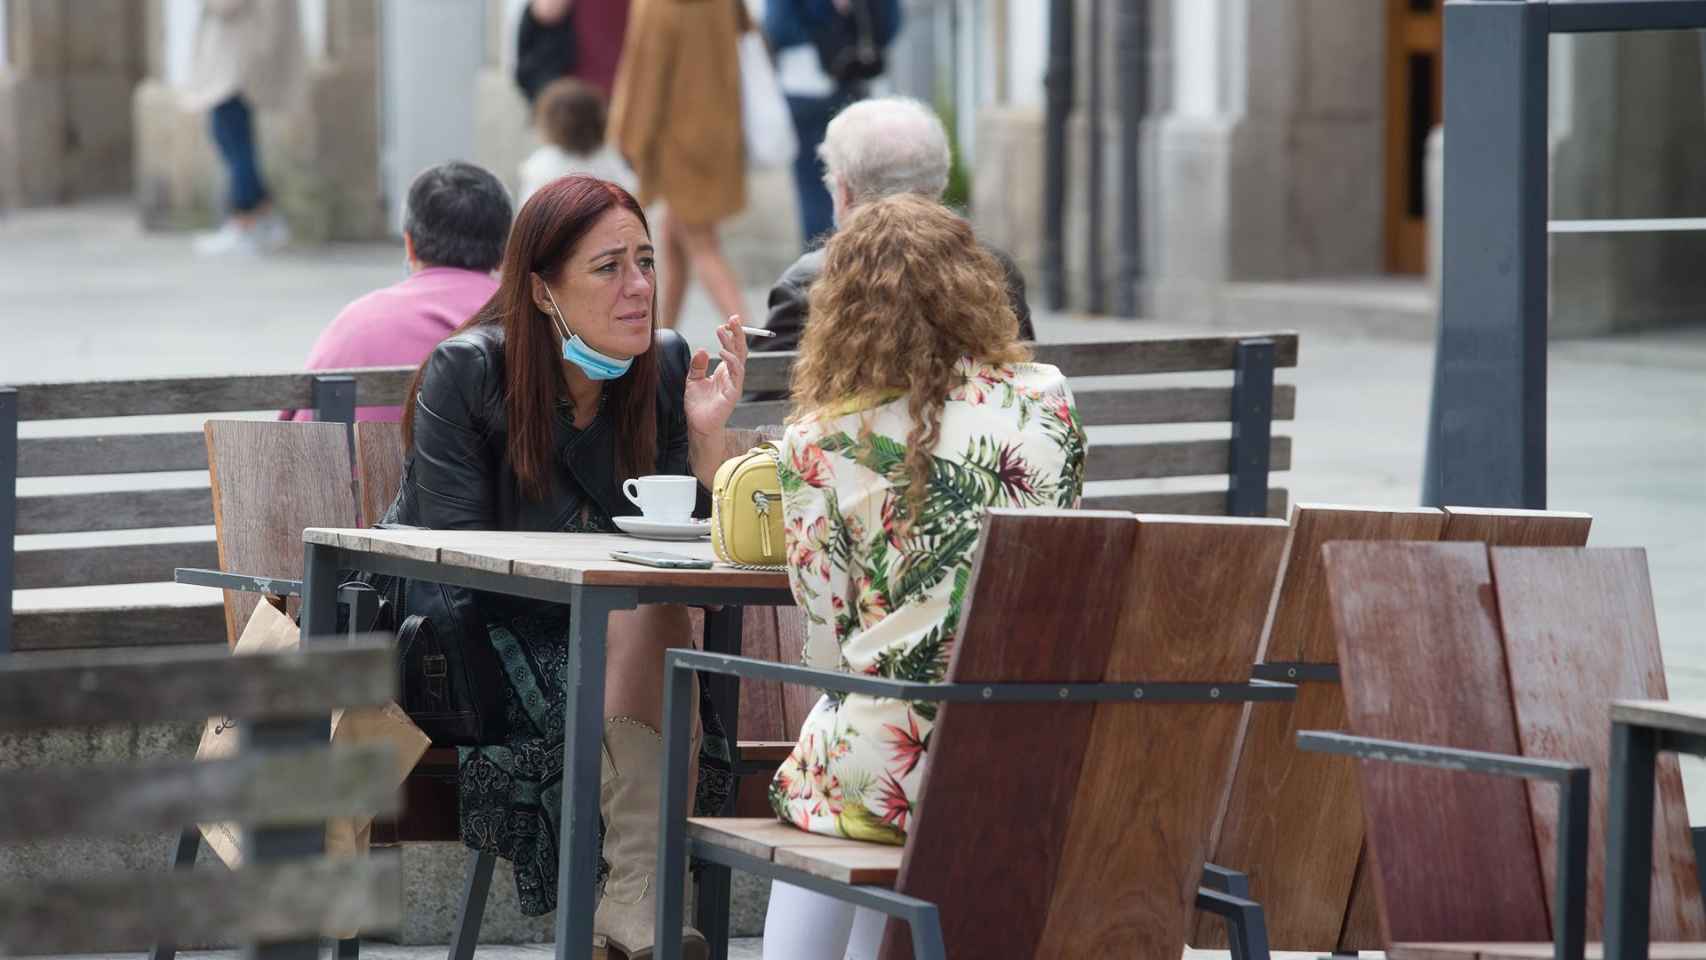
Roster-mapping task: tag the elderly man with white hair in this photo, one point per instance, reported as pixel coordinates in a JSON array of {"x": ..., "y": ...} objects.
[{"x": 873, "y": 149}]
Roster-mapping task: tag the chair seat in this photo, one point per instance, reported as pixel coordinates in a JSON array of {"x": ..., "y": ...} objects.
[
  {"x": 1529, "y": 951},
  {"x": 766, "y": 751},
  {"x": 833, "y": 858}
]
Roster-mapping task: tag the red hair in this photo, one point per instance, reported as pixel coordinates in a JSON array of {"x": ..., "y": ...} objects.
[{"x": 547, "y": 230}]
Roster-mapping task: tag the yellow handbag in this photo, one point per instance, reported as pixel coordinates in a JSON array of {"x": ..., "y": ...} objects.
[{"x": 746, "y": 510}]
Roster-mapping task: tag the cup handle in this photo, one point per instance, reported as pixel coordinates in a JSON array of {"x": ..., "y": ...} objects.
[{"x": 631, "y": 490}]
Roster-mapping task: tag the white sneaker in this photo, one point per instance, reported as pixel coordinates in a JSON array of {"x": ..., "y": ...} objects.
[
  {"x": 272, "y": 232},
  {"x": 231, "y": 239}
]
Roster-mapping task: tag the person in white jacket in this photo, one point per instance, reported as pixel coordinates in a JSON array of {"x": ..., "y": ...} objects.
[{"x": 248, "y": 56}]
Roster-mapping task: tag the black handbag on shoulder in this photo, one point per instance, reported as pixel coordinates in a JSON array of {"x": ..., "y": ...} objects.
[
  {"x": 850, "y": 45},
  {"x": 543, "y": 53}
]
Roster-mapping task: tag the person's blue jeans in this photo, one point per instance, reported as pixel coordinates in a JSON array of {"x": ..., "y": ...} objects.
[
  {"x": 811, "y": 117},
  {"x": 234, "y": 133}
]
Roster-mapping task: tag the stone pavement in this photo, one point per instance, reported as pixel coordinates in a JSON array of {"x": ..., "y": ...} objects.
[{"x": 84, "y": 294}]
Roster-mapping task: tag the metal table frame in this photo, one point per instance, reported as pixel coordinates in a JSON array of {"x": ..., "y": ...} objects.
[
  {"x": 591, "y": 606},
  {"x": 1635, "y": 749}
]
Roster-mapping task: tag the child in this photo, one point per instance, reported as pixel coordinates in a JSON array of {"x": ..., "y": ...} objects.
[{"x": 570, "y": 118}]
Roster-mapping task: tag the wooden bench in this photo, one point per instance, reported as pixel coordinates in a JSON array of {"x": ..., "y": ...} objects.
[
  {"x": 1293, "y": 822},
  {"x": 1515, "y": 654},
  {"x": 1028, "y": 844},
  {"x": 60, "y": 446},
  {"x": 1115, "y": 385},
  {"x": 283, "y": 783}
]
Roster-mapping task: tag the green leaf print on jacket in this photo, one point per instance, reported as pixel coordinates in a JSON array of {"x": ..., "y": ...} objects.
[{"x": 882, "y": 583}]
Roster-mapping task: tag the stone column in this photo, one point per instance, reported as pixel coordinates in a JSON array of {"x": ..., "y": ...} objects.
[
  {"x": 320, "y": 156},
  {"x": 65, "y": 86},
  {"x": 1269, "y": 157}
]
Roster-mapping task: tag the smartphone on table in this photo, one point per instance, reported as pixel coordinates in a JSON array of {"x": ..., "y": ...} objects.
[{"x": 657, "y": 558}]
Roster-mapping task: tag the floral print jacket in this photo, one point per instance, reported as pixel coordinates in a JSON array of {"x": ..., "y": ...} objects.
[{"x": 883, "y": 597}]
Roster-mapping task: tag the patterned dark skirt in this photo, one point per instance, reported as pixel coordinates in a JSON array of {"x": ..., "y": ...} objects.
[{"x": 512, "y": 795}]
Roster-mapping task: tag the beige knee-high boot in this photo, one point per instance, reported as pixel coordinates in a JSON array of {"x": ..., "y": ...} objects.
[{"x": 629, "y": 796}]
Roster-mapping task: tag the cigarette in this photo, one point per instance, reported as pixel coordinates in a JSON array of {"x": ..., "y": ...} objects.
[{"x": 758, "y": 332}]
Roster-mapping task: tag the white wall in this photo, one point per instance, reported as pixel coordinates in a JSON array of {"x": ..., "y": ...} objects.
[
  {"x": 1210, "y": 39},
  {"x": 431, "y": 53},
  {"x": 1027, "y": 52}
]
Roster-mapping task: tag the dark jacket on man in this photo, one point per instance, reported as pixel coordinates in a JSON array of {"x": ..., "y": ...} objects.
[{"x": 790, "y": 302}]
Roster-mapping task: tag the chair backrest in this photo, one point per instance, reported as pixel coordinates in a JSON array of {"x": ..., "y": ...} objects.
[
  {"x": 1139, "y": 474},
  {"x": 1519, "y": 652},
  {"x": 1580, "y": 632},
  {"x": 272, "y": 479},
  {"x": 378, "y": 467},
  {"x": 1052, "y": 788},
  {"x": 270, "y": 899},
  {"x": 1292, "y": 819},
  {"x": 154, "y": 456}
]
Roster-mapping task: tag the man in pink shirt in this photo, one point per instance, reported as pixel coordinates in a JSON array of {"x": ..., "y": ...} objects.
[{"x": 454, "y": 229}]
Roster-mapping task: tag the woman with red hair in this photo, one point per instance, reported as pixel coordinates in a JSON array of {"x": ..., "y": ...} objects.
[{"x": 529, "y": 417}]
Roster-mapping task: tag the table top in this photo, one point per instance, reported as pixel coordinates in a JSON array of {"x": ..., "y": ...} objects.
[
  {"x": 575, "y": 558},
  {"x": 1683, "y": 716}
]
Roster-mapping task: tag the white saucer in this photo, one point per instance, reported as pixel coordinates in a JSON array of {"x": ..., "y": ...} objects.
[{"x": 664, "y": 529}]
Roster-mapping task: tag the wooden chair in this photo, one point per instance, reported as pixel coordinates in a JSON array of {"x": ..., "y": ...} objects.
[
  {"x": 286, "y": 773},
  {"x": 379, "y": 467},
  {"x": 145, "y": 616},
  {"x": 1516, "y": 655},
  {"x": 1292, "y": 820},
  {"x": 1028, "y": 845}
]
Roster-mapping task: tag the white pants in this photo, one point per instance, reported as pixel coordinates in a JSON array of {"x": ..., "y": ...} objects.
[{"x": 802, "y": 925}]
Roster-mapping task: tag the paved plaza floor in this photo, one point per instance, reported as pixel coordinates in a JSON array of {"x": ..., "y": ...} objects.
[{"x": 85, "y": 294}]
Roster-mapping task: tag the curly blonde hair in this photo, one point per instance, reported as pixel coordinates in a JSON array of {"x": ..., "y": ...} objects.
[{"x": 906, "y": 292}]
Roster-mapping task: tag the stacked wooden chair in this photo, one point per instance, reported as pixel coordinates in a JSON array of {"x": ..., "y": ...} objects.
[
  {"x": 282, "y": 784},
  {"x": 1499, "y": 661},
  {"x": 1292, "y": 822},
  {"x": 1078, "y": 825}
]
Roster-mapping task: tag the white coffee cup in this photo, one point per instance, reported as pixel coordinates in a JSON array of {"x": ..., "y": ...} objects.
[{"x": 668, "y": 499}]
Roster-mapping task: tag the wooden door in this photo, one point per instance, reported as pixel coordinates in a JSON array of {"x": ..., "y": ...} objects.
[{"x": 1414, "y": 45}]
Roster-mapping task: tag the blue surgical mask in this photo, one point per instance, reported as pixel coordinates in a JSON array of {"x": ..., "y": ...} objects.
[{"x": 596, "y": 366}]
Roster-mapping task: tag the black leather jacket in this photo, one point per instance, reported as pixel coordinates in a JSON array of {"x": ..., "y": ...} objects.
[{"x": 458, "y": 475}]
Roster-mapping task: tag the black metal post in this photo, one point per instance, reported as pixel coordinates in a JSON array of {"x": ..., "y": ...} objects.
[
  {"x": 1487, "y": 423},
  {"x": 334, "y": 401},
  {"x": 1629, "y": 842},
  {"x": 1131, "y": 22},
  {"x": 1569, "y": 921},
  {"x": 8, "y": 509},
  {"x": 1095, "y": 299},
  {"x": 1058, "y": 84},
  {"x": 1252, "y": 428}
]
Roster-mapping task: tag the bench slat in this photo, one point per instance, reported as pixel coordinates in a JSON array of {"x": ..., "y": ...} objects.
[
  {"x": 130, "y": 912},
  {"x": 214, "y": 394},
  {"x": 118, "y": 626},
  {"x": 1105, "y": 407},
  {"x": 1203, "y": 503},
  {"x": 115, "y": 510},
  {"x": 114, "y": 453},
  {"x": 124, "y": 563},
  {"x": 92, "y": 687},
  {"x": 769, "y": 371},
  {"x": 1172, "y": 458},
  {"x": 283, "y": 787}
]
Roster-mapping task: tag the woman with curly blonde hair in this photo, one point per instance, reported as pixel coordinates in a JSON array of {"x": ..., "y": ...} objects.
[{"x": 915, "y": 409}]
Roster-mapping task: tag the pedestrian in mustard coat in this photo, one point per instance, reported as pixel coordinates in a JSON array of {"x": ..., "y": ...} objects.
[{"x": 676, "y": 116}]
